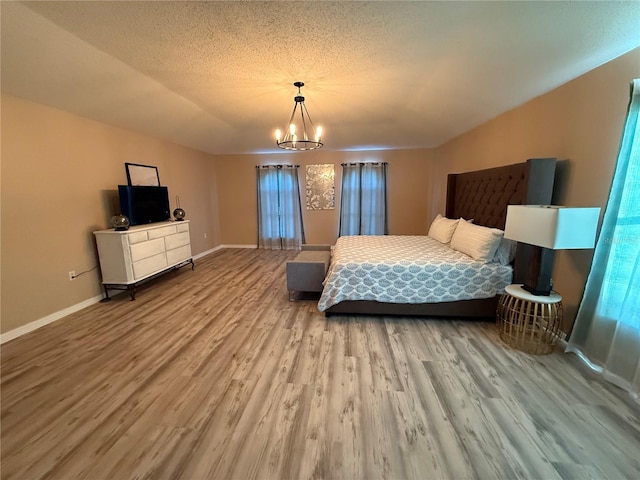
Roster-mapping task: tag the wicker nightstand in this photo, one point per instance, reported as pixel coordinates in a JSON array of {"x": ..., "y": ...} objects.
[{"x": 528, "y": 322}]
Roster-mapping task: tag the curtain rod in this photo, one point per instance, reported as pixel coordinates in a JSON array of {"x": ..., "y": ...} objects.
[
  {"x": 363, "y": 163},
  {"x": 277, "y": 166}
]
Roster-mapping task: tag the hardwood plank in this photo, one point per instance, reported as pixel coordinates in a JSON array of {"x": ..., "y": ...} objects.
[
  {"x": 381, "y": 359},
  {"x": 426, "y": 423}
]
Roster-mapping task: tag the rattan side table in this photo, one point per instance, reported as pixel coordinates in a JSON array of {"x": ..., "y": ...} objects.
[{"x": 528, "y": 322}]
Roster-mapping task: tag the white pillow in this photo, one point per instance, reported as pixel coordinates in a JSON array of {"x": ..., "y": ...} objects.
[
  {"x": 506, "y": 252},
  {"x": 479, "y": 242},
  {"x": 442, "y": 229}
]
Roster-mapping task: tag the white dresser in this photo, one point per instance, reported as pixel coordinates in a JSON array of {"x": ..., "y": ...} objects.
[{"x": 130, "y": 256}]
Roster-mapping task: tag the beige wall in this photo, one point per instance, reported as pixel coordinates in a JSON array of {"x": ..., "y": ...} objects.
[
  {"x": 579, "y": 123},
  {"x": 59, "y": 175},
  {"x": 408, "y": 192}
]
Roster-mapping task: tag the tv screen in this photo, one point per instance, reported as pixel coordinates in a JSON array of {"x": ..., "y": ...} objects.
[{"x": 144, "y": 204}]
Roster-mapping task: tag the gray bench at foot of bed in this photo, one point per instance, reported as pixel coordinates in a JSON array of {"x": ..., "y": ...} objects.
[{"x": 306, "y": 272}]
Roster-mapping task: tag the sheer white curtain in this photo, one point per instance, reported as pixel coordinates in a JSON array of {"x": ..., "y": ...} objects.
[
  {"x": 279, "y": 209},
  {"x": 363, "y": 208},
  {"x": 607, "y": 329}
]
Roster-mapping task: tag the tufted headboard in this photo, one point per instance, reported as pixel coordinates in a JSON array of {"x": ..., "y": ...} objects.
[{"x": 483, "y": 195}]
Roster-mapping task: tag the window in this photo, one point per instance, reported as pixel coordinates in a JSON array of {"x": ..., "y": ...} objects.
[
  {"x": 279, "y": 210},
  {"x": 363, "y": 209},
  {"x": 619, "y": 256},
  {"x": 620, "y": 295},
  {"x": 607, "y": 328}
]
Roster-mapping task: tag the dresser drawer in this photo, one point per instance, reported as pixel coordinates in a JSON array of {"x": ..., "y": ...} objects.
[
  {"x": 178, "y": 255},
  {"x": 149, "y": 265},
  {"x": 183, "y": 227},
  {"x": 162, "y": 232},
  {"x": 177, "y": 240},
  {"x": 146, "y": 249},
  {"x": 137, "y": 237}
]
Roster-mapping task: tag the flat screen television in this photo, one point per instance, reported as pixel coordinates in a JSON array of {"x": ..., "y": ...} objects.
[{"x": 143, "y": 204}]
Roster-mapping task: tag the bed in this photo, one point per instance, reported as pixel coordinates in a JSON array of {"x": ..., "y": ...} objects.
[{"x": 482, "y": 196}]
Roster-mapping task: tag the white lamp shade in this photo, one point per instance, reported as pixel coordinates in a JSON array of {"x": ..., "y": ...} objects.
[{"x": 553, "y": 227}]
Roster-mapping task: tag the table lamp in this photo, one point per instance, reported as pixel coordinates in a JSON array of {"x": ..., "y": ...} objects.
[{"x": 548, "y": 228}]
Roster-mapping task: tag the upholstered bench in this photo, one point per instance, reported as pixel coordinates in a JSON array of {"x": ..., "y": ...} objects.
[{"x": 306, "y": 272}]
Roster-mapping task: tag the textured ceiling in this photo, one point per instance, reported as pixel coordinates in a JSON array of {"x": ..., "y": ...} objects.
[{"x": 217, "y": 76}]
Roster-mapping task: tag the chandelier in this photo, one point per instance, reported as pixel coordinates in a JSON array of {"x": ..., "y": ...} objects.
[{"x": 297, "y": 137}]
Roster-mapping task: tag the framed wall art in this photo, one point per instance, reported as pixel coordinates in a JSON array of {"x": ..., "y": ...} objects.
[
  {"x": 320, "y": 187},
  {"x": 145, "y": 175}
]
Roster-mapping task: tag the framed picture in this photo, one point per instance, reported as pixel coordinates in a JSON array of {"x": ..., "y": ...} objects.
[
  {"x": 320, "y": 187},
  {"x": 142, "y": 175}
]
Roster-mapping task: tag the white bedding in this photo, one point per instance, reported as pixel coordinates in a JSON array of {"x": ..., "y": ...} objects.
[{"x": 407, "y": 269}]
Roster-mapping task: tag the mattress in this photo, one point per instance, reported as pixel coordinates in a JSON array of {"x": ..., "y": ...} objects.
[{"x": 407, "y": 269}]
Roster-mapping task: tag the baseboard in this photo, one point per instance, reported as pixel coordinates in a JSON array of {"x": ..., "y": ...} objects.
[
  {"x": 208, "y": 252},
  {"x": 30, "y": 327},
  {"x": 221, "y": 247}
]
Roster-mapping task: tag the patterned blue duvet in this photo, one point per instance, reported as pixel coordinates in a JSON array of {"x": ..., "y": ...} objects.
[{"x": 407, "y": 269}]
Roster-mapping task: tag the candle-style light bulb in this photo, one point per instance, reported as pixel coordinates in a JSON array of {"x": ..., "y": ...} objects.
[
  {"x": 294, "y": 139},
  {"x": 318, "y": 133},
  {"x": 278, "y": 135},
  {"x": 292, "y": 129}
]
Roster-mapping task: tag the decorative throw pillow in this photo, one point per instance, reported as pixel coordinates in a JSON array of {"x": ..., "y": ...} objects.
[
  {"x": 506, "y": 252},
  {"x": 442, "y": 229},
  {"x": 479, "y": 242}
]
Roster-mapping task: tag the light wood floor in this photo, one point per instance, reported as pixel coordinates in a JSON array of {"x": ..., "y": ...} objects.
[{"x": 214, "y": 374}]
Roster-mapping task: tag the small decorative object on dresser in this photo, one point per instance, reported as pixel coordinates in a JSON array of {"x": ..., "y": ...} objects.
[
  {"x": 120, "y": 222},
  {"x": 130, "y": 257},
  {"x": 529, "y": 322},
  {"x": 179, "y": 213}
]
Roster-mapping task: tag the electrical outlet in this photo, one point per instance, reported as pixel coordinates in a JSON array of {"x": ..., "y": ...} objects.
[
  {"x": 72, "y": 275},
  {"x": 205, "y": 234}
]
